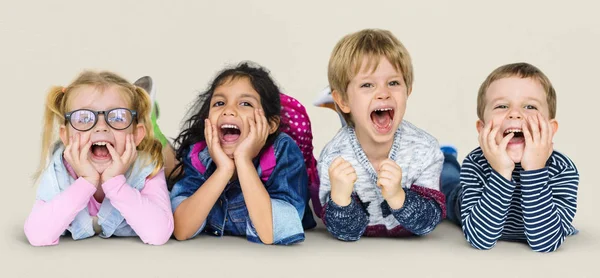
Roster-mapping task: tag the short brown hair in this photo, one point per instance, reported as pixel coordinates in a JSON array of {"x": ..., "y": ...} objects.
[
  {"x": 348, "y": 54},
  {"x": 522, "y": 70}
]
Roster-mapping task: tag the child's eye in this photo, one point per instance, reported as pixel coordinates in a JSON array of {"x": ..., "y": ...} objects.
[
  {"x": 245, "y": 103},
  {"x": 366, "y": 85},
  {"x": 528, "y": 107},
  {"x": 116, "y": 119},
  {"x": 501, "y": 106},
  {"x": 85, "y": 120},
  {"x": 394, "y": 83},
  {"x": 218, "y": 103}
]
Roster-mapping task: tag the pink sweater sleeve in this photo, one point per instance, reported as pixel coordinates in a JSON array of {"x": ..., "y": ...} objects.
[
  {"x": 48, "y": 220},
  {"x": 148, "y": 211}
]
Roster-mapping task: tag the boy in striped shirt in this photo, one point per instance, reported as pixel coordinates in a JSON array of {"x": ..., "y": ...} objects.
[{"x": 514, "y": 186}]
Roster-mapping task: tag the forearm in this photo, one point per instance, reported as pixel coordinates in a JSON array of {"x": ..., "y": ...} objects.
[
  {"x": 257, "y": 199},
  {"x": 148, "y": 211},
  {"x": 48, "y": 220},
  {"x": 484, "y": 210},
  {"x": 419, "y": 215},
  {"x": 543, "y": 223},
  {"x": 347, "y": 223},
  {"x": 193, "y": 211}
]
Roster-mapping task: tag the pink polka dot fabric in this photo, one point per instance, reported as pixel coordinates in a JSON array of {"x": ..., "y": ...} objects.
[{"x": 296, "y": 124}]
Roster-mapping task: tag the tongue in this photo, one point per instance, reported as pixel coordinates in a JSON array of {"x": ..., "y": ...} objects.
[
  {"x": 230, "y": 137},
  {"x": 381, "y": 119},
  {"x": 100, "y": 151},
  {"x": 516, "y": 140}
]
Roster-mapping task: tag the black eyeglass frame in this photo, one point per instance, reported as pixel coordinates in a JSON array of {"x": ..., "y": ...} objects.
[{"x": 104, "y": 113}]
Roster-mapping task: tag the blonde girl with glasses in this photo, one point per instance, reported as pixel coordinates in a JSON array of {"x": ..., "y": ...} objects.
[{"x": 105, "y": 173}]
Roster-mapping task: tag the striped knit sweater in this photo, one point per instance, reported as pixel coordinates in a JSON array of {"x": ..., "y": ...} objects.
[
  {"x": 536, "y": 206},
  {"x": 420, "y": 158}
]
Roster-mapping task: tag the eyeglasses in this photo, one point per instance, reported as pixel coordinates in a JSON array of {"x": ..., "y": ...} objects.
[{"x": 85, "y": 119}]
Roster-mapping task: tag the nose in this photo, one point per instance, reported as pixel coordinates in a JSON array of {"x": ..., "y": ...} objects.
[
  {"x": 101, "y": 125},
  {"x": 229, "y": 111},
  {"x": 382, "y": 93},
  {"x": 514, "y": 114}
]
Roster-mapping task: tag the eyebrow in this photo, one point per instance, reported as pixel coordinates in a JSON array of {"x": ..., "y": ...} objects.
[
  {"x": 244, "y": 95},
  {"x": 526, "y": 99}
]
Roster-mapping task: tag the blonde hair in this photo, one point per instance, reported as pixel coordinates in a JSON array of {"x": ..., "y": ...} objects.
[
  {"x": 521, "y": 70},
  {"x": 57, "y": 104},
  {"x": 348, "y": 54}
]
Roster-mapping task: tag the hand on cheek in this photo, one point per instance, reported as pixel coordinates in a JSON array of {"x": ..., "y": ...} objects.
[
  {"x": 223, "y": 162},
  {"x": 495, "y": 153},
  {"x": 538, "y": 142},
  {"x": 77, "y": 156},
  {"x": 120, "y": 163},
  {"x": 257, "y": 136}
]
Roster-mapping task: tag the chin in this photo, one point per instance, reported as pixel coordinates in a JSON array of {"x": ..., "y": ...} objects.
[{"x": 516, "y": 156}]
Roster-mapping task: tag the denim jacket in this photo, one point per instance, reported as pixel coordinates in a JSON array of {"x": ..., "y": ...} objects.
[
  {"x": 287, "y": 186},
  {"x": 56, "y": 179}
]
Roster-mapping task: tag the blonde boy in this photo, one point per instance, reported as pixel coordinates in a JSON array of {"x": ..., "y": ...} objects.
[{"x": 379, "y": 174}]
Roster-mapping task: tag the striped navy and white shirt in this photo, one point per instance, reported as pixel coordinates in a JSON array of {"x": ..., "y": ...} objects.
[{"x": 536, "y": 206}]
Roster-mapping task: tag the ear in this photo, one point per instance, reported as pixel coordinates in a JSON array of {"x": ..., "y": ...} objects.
[
  {"x": 274, "y": 124},
  {"x": 64, "y": 135},
  {"x": 339, "y": 100},
  {"x": 554, "y": 126},
  {"x": 479, "y": 125},
  {"x": 409, "y": 91},
  {"x": 139, "y": 133}
]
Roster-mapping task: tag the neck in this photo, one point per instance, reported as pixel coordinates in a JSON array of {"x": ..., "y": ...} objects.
[{"x": 376, "y": 152}]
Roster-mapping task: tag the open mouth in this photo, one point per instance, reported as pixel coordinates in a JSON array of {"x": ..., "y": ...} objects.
[
  {"x": 382, "y": 118},
  {"x": 518, "y": 135},
  {"x": 100, "y": 151},
  {"x": 230, "y": 133}
]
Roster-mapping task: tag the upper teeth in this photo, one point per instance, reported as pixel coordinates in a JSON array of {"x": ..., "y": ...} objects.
[
  {"x": 512, "y": 130},
  {"x": 100, "y": 144},
  {"x": 230, "y": 126},
  {"x": 383, "y": 109}
]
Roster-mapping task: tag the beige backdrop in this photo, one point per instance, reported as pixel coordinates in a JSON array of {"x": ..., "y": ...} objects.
[{"x": 182, "y": 44}]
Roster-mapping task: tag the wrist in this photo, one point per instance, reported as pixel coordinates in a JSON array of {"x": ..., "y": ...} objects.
[
  {"x": 225, "y": 173},
  {"x": 341, "y": 200},
  {"x": 397, "y": 201}
]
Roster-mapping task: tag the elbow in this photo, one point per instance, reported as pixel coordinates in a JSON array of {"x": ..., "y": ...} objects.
[
  {"x": 181, "y": 235},
  {"x": 38, "y": 239}
]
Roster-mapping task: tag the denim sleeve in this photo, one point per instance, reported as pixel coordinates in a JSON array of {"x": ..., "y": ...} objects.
[
  {"x": 419, "y": 215},
  {"x": 289, "y": 180},
  {"x": 345, "y": 223},
  {"x": 186, "y": 187},
  {"x": 287, "y": 226}
]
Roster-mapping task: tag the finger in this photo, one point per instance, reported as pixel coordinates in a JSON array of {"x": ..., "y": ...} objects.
[
  {"x": 128, "y": 149},
  {"x": 505, "y": 141},
  {"x": 386, "y": 175},
  {"x": 526, "y": 133},
  {"x": 252, "y": 125},
  {"x": 207, "y": 132},
  {"x": 215, "y": 143},
  {"x": 484, "y": 136},
  {"x": 535, "y": 128},
  {"x": 544, "y": 128},
  {"x": 83, "y": 155},
  {"x": 265, "y": 123},
  {"x": 491, "y": 138},
  {"x": 113, "y": 153},
  {"x": 133, "y": 154},
  {"x": 75, "y": 147},
  {"x": 67, "y": 152},
  {"x": 336, "y": 162},
  {"x": 258, "y": 123}
]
